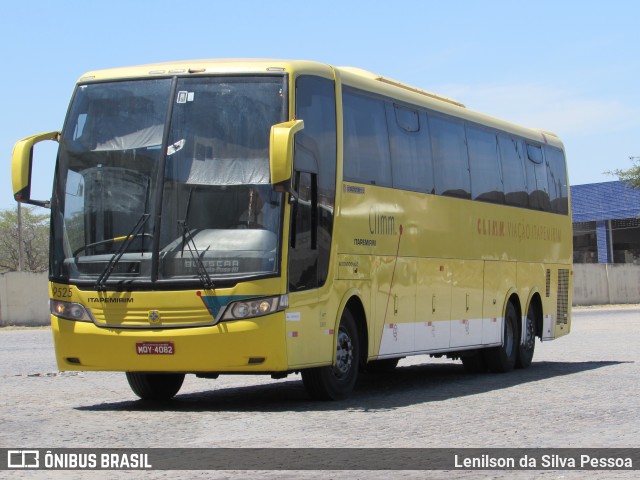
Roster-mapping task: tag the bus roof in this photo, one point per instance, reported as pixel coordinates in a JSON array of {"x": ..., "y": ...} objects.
[
  {"x": 351, "y": 76},
  {"x": 365, "y": 80}
]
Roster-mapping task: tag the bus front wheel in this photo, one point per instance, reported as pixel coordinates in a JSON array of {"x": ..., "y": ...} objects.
[
  {"x": 155, "y": 386},
  {"x": 503, "y": 358},
  {"x": 336, "y": 382}
]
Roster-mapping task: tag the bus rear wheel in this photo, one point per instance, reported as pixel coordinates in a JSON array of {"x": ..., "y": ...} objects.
[
  {"x": 155, "y": 386},
  {"x": 526, "y": 349},
  {"x": 503, "y": 358},
  {"x": 336, "y": 382}
]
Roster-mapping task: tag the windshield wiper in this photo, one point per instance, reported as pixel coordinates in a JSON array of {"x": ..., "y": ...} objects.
[
  {"x": 188, "y": 240},
  {"x": 201, "y": 269},
  {"x": 115, "y": 258}
]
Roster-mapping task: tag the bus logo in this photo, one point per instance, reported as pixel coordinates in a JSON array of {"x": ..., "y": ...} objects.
[
  {"x": 154, "y": 316},
  {"x": 23, "y": 459}
]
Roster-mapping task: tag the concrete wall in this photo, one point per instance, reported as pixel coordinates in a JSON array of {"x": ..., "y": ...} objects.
[
  {"x": 601, "y": 284},
  {"x": 24, "y": 295},
  {"x": 24, "y": 299}
]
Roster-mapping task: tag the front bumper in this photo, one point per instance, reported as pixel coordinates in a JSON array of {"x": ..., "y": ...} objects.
[{"x": 244, "y": 346}]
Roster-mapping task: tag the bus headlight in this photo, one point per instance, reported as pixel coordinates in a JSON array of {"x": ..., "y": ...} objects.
[
  {"x": 70, "y": 311},
  {"x": 255, "y": 308}
]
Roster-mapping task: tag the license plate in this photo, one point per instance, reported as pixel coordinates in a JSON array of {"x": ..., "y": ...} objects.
[{"x": 155, "y": 348}]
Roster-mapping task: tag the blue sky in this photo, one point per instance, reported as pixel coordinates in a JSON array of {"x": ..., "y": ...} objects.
[{"x": 571, "y": 67}]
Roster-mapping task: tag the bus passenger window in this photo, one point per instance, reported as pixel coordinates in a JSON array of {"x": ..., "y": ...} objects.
[
  {"x": 412, "y": 168},
  {"x": 486, "y": 181},
  {"x": 557, "y": 176},
  {"x": 450, "y": 162},
  {"x": 537, "y": 186},
  {"x": 366, "y": 141},
  {"x": 513, "y": 179}
]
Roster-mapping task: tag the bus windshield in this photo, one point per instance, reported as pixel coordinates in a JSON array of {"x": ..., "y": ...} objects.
[{"x": 133, "y": 206}]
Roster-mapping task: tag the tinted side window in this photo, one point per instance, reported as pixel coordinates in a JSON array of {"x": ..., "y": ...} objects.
[
  {"x": 557, "y": 176},
  {"x": 450, "y": 163},
  {"x": 513, "y": 176},
  {"x": 537, "y": 185},
  {"x": 486, "y": 177},
  {"x": 303, "y": 255},
  {"x": 315, "y": 182},
  {"x": 366, "y": 141},
  {"x": 410, "y": 149}
]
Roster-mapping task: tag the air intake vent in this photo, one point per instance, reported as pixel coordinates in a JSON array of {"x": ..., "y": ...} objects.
[
  {"x": 563, "y": 296},
  {"x": 548, "y": 281}
]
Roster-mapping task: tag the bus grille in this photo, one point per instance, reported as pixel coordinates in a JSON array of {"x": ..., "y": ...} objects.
[
  {"x": 548, "y": 282},
  {"x": 563, "y": 296},
  {"x": 116, "y": 316}
]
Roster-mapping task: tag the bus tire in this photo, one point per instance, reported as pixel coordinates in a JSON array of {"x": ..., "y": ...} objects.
[
  {"x": 335, "y": 382},
  {"x": 382, "y": 365},
  {"x": 503, "y": 358},
  {"x": 526, "y": 349},
  {"x": 155, "y": 386}
]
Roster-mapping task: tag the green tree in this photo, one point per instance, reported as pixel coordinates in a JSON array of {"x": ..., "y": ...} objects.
[
  {"x": 630, "y": 176},
  {"x": 35, "y": 240}
]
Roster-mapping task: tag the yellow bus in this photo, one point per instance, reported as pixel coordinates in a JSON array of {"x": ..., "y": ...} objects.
[{"x": 270, "y": 217}]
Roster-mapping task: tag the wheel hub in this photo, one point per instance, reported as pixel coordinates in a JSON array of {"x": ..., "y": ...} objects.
[
  {"x": 530, "y": 336},
  {"x": 344, "y": 354}
]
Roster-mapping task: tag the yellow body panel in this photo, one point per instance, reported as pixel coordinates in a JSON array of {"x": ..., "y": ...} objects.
[{"x": 458, "y": 263}]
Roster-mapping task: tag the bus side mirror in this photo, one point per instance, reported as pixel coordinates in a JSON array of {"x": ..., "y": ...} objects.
[
  {"x": 21, "y": 164},
  {"x": 281, "y": 151}
]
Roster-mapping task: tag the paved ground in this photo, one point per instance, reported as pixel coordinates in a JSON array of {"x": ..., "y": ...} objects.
[{"x": 581, "y": 391}]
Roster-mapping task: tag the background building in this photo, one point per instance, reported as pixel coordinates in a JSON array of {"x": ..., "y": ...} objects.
[{"x": 606, "y": 223}]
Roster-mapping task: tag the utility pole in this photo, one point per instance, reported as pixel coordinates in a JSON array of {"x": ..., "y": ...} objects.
[{"x": 20, "y": 254}]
